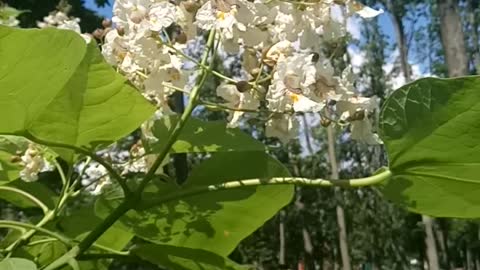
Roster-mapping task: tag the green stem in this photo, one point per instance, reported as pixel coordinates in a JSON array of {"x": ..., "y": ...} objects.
[
  {"x": 196, "y": 190},
  {"x": 121, "y": 181},
  {"x": 49, "y": 215},
  {"x": 131, "y": 201},
  {"x": 21, "y": 225},
  {"x": 27, "y": 195},
  {"x": 42, "y": 241},
  {"x": 194, "y": 95},
  {"x": 92, "y": 236},
  {"x": 66, "y": 185}
]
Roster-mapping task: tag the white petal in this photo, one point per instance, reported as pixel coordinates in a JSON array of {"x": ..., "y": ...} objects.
[
  {"x": 304, "y": 104},
  {"x": 368, "y": 12}
]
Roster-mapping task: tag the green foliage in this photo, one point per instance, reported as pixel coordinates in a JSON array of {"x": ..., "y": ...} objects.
[
  {"x": 181, "y": 258},
  {"x": 201, "y": 136},
  {"x": 16, "y": 264},
  {"x": 81, "y": 221},
  {"x": 82, "y": 101},
  {"x": 73, "y": 98},
  {"x": 431, "y": 131},
  {"x": 214, "y": 221},
  {"x": 25, "y": 195}
]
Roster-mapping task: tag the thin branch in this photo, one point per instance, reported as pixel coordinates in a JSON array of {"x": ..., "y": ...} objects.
[
  {"x": 196, "y": 190},
  {"x": 27, "y": 195},
  {"x": 21, "y": 225},
  {"x": 121, "y": 181}
]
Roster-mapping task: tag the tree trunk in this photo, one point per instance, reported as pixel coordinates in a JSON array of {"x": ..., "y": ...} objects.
[
  {"x": 452, "y": 35},
  {"x": 401, "y": 40},
  {"x": 342, "y": 230},
  {"x": 432, "y": 254},
  {"x": 281, "y": 253},
  {"x": 469, "y": 259},
  {"x": 471, "y": 10}
]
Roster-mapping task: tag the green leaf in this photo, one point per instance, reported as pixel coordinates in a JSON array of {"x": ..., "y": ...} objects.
[
  {"x": 181, "y": 258},
  {"x": 200, "y": 136},
  {"x": 44, "y": 253},
  {"x": 35, "y": 189},
  {"x": 17, "y": 264},
  {"x": 82, "y": 221},
  {"x": 431, "y": 130},
  {"x": 70, "y": 96},
  {"x": 213, "y": 221}
]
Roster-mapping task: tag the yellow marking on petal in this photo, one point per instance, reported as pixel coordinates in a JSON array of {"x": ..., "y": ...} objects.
[
  {"x": 295, "y": 98},
  {"x": 220, "y": 15}
]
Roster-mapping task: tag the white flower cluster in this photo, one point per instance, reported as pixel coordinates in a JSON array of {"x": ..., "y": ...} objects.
[
  {"x": 281, "y": 40},
  {"x": 60, "y": 20},
  {"x": 33, "y": 162},
  {"x": 135, "y": 47}
]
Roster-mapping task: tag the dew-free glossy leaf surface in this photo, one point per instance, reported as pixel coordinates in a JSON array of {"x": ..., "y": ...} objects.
[
  {"x": 57, "y": 88},
  {"x": 201, "y": 136},
  {"x": 213, "y": 221},
  {"x": 431, "y": 129},
  {"x": 181, "y": 258}
]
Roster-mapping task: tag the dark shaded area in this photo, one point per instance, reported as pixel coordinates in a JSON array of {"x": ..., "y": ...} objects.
[{"x": 37, "y": 9}]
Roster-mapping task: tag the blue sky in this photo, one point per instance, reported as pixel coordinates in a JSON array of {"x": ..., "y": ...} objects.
[{"x": 105, "y": 11}]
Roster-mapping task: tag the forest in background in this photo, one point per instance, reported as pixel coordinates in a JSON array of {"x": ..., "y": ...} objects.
[{"x": 347, "y": 228}]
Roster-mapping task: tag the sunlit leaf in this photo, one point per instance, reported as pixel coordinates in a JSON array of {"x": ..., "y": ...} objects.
[
  {"x": 213, "y": 221},
  {"x": 71, "y": 95},
  {"x": 431, "y": 130},
  {"x": 201, "y": 136},
  {"x": 181, "y": 258}
]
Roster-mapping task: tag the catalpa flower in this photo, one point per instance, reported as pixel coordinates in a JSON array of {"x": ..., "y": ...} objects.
[
  {"x": 235, "y": 22},
  {"x": 282, "y": 126},
  {"x": 60, "y": 20},
  {"x": 33, "y": 162},
  {"x": 132, "y": 15},
  {"x": 294, "y": 84},
  {"x": 237, "y": 100}
]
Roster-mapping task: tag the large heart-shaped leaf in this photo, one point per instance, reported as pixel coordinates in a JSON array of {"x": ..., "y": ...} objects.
[
  {"x": 213, "y": 221},
  {"x": 57, "y": 88},
  {"x": 201, "y": 136},
  {"x": 431, "y": 130},
  {"x": 181, "y": 258}
]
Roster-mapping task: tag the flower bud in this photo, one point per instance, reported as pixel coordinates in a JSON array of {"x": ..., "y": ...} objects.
[
  {"x": 106, "y": 23},
  {"x": 243, "y": 86},
  {"x": 98, "y": 33},
  {"x": 325, "y": 122},
  {"x": 181, "y": 38},
  {"x": 121, "y": 31}
]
